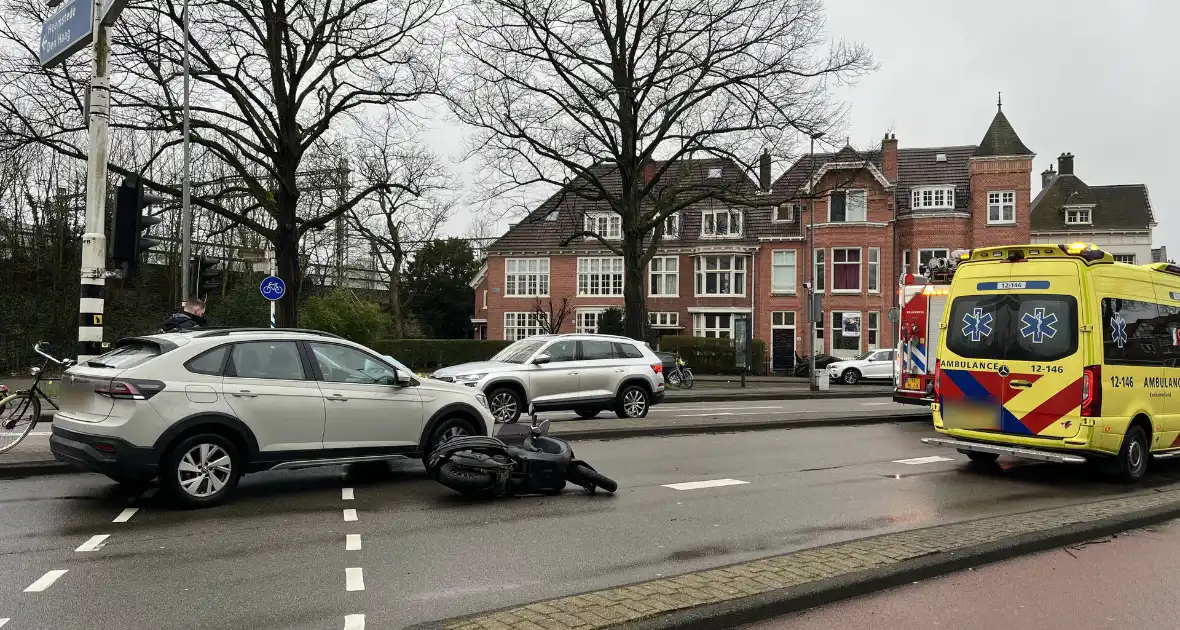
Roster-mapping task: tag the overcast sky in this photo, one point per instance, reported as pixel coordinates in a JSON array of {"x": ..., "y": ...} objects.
[{"x": 1097, "y": 79}]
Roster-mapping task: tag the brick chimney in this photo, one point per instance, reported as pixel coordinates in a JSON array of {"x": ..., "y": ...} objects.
[
  {"x": 1047, "y": 176},
  {"x": 889, "y": 156},
  {"x": 1065, "y": 164},
  {"x": 649, "y": 171},
  {"x": 764, "y": 171}
]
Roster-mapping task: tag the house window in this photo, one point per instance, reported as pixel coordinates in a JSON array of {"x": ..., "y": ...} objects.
[
  {"x": 720, "y": 275},
  {"x": 783, "y": 271},
  {"x": 782, "y": 319},
  {"x": 521, "y": 325},
  {"x": 845, "y": 270},
  {"x": 586, "y": 322},
  {"x": 664, "y": 276},
  {"x": 905, "y": 262},
  {"x": 845, "y": 332},
  {"x": 1079, "y": 216},
  {"x": 664, "y": 320},
  {"x": 485, "y": 299},
  {"x": 820, "y": 276},
  {"x": 926, "y": 255},
  {"x": 608, "y": 225},
  {"x": 1001, "y": 207},
  {"x": 785, "y": 213},
  {"x": 600, "y": 276},
  {"x": 874, "y": 270},
  {"x": 1125, "y": 258},
  {"x": 713, "y": 325},
  {"x": 672, "y": 225},
  {"x": 871, "y": 330},
  {"x": 937, "y": 197},
  {"x": 714, "y": 172},
  {"x": 526, "y": 277},
  {"x": 721, "y": 223},
  {"x": 846, "y": 206}
]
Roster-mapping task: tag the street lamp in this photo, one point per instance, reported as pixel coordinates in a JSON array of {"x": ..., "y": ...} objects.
[
  {"x": 812, "y": 384},
  {"x": 186, "y": 211}
]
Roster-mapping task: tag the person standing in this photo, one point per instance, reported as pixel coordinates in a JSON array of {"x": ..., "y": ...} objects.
[{"x": 192, "y": 316}]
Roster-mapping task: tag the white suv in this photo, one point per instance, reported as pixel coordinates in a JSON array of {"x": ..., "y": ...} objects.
[
  {"x": 198, "y": 409},
  {"x": 582, "y": 373}
]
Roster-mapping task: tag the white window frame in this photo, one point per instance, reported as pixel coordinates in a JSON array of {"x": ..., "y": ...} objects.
[
  {"x": 1077, "y": 216},
  {"x": 778, "y": 320},
  {"x": 792, "y": 209},
  {"x": 583, "y": 318},
  {"x": 485, "y": 299},
  {"x": 526, "y": 321},
  {"x": 672, "y": 226},
  {"x": 946, "y": 253},
  {"x": 701, "y": 328},
  {"x": 859, "y": 270},
  {"x": 596, "y": 221},
  {"x": 663, "y": 319},
  {"x": 873, "y": 284},
  {"x": 933, "y": 198},
  {"x": 907, "y": 257},
  {"x": 860, "y": 337},
  {"x": 1123, "y": 258},
  {"x": 864, "y": 194},
  {"x": 608, "y": 270},
  {"x": 536, "y": 271},
  {"x": 1001, "y": 201},
  {"x": 737, "y": 277},
  {"x": 819, "y": 271},
  {"x": 791, "y": 285},
  {"x": 872, "y": 330},
  {"x": 733, "y": 218},
  {"x": 663, "y": 274}
]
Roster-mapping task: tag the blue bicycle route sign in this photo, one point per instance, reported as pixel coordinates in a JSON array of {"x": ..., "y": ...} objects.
[
  {"x": 66, "y": 32},
  {"x": 273, "y": 288}
]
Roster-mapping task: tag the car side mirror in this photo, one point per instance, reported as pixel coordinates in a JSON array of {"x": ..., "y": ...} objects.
[
  {"x": 542, "y": 359},
  {"x": 403, "y": 379}
]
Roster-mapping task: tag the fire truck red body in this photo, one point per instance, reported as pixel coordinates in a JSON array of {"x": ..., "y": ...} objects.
[{"x": 923, "y": 300}]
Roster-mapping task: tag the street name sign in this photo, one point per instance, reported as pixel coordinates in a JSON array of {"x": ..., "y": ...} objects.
[{"x": 67, "y": 31}]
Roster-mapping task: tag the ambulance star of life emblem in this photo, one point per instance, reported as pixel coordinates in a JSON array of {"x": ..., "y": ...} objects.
[{"x": 1003, "y": 371}]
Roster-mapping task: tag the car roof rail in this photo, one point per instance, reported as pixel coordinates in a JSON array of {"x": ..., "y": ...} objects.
[{"x": 221, "y": 332}]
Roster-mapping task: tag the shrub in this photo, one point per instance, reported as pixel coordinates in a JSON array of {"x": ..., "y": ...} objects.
[
  {"x": 427, "y": 355},
  {"x": 714, "y": 356},
  {"x": 344, "y": 314},
  {"x": 610, "y": 322}
]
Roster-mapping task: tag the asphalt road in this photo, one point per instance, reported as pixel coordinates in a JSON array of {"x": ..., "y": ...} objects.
[{"x": 280, "y": 556}]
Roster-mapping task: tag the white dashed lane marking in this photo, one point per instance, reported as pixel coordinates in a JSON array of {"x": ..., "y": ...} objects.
[
  {"x": 95, "y": 543},
  {"x": 125, "y": 515},
  {"x": 923, "y": 460},
  {"x": 351, "y": 622},
  {"x": 346, "y": 494},
  {"x": 4, "y": 620},
  {"x": 354, "y": 579},
  {"x": 46, "y": 581},
  {"x": 712, "y": 483},
  {"x": 350, "y": 514},
  {"x": 352, "y": 542}
]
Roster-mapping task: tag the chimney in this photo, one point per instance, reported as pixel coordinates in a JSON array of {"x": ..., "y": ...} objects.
[
  {"x": 1065, "y": 164},
  {"x": 649, "y": 171},
  {"x": 1047, "y": 176},
  {"x": 764, "y": 171},
  {"x": 889, "y": 156}
]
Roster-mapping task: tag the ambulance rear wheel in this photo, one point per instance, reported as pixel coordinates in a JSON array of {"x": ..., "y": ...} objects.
[
  {"x": 982, "y": 458},
  {"x": 1131, "y": 462}
]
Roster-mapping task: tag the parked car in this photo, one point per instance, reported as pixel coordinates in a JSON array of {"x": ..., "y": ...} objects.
[
  {"x": 198, "y": 409},
  {"x": 582, "y": 373},
  {"x": 871, "y": 365}
]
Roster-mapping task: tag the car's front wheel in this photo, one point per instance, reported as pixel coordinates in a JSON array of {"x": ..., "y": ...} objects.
[
  {"x": 201, "y": 471},
  {"x": 850, "y": 377},
  {"x": 505, "y": 404},
  {"x": 446, "y": 431}
]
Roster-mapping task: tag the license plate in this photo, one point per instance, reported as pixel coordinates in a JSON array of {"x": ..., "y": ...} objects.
[{"x": 913, "y": 383}]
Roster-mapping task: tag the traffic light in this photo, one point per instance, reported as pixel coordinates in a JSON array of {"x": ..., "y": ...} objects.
[
  {"x": 129, "y": 236},
  {"x": 207, "y": 274}
]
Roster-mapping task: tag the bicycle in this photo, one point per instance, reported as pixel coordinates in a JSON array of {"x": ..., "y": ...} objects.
[
  {"x": 681, "y": 375},
  {"x": 20, "y": 412}
]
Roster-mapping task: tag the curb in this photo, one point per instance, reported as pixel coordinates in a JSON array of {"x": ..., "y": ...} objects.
[
  {"x": 734, "y": 396},
  {"x": 734, "y": 427},
  {"x": 17, "y": 470},
  {"x": 795, "y": 599}
]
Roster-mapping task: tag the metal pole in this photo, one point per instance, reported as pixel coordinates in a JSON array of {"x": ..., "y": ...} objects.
[
  {"x": 94, "y": 241},
  {"x": 812, "y": 385},
  {"x": 273, "y": 271},
  {"x": 186, "y": 211}
]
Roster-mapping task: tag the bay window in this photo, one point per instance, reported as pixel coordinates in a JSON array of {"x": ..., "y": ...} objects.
[
  {"x": 847, "y": 206},
  {"x": 932, "y": 198},
  {"x": 720, "y": 275}
]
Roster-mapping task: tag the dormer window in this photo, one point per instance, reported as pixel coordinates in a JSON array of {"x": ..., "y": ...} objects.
[
  {"x": 786, "y": 213},
  {"x": 607, "y": 225},
  {"x": 715, "y": 172},
  {"x": 933, "y": 198},
  {"x": 721, "y": 223},
  {"x": 1077, "y": 216}
]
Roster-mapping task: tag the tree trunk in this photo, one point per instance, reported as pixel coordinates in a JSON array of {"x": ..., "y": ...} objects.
[
  {"x": 287, "y": 263},
  {"x": 395, "y": 299},
  {"x": 634, "y": 307}
]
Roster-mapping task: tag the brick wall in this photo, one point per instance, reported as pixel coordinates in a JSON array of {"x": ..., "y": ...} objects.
[{"x": 1000, "y": 174}]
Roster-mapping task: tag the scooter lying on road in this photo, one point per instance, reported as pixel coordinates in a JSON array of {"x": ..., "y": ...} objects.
[{"x": 487, "y": 467}]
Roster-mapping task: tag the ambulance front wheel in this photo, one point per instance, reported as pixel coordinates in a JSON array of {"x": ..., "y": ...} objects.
[
  {"x": 1131, "y": 462},
  {"x": 981, "y": 458}
]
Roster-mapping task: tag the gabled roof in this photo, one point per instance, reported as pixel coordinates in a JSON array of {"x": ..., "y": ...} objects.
[
  {"x": 1118, "y": 207},
  {"x": 1001, "y": 139},
  {"x": 793, "y": 183}
]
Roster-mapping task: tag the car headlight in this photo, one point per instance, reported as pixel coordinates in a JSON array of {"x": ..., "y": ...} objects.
[
  {"x": 470, "y": 377},
  {"x": 483, "y": 400}
]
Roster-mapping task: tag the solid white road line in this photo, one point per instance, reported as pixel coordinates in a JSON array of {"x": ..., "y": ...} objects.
[
  {"x": 922, "y": 460},
  {"x": 46, "y": 581},
  {"x": 732, "y": 413},
  {"x": 94, "y": 544},
  {"x": 346, "y": 494},
  {"x": 352, "y": 542},
  {"x": 350, "y": 515},
  {"x": 351, "y": 622},
  {"x": 687, "y": 408},
  {"x": 354, "y": 579},
  {"x": 712, "y": 483},
  {"x": 4, "y": 620},
  {"x": 125, "y": 515}
]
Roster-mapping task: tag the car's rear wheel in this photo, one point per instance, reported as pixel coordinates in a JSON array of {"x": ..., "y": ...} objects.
[
  {"x": 1131, "y": 463},
  {"x": 633, "y": 402},
  {"x": 587, "y": 412},
  {"x": 201, "y": 471},
  {"x": 506, "y": 404}
]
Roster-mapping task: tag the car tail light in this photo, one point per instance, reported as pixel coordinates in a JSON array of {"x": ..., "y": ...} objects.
[
  {"x": 104, "y": 447},
  {"x": 1092, "y": 391},
  {"x": 937, "y": 379},
  {"x": 130, "y": 389},
  {"x": 658, "y": 368}
]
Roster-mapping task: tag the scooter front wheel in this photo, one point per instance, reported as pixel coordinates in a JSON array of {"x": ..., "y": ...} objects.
[{"x": 586, "y": 476}]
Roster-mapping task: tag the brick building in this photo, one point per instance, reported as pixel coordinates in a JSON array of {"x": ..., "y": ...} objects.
[{"x": 722, "y": 266}]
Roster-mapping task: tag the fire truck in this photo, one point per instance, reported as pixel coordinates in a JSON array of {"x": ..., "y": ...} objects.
[{"x": 923, "y": 298}]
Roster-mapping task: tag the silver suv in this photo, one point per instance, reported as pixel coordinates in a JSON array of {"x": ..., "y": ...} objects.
[
  {"x": 581, "y": 373},
  {"x": 198, "y": 409}
]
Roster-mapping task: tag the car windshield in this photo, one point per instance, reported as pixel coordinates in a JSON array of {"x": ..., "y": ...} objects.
[
  {"x": 864, "y": 355},
  {"x": 520, "y": 351}
]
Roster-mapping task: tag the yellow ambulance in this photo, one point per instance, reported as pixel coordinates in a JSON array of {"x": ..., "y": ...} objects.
[{"x": 1058, "y": 353}]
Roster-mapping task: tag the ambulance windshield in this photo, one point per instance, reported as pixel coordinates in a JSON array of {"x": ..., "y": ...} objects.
[{"x": 1020, "y": 327}]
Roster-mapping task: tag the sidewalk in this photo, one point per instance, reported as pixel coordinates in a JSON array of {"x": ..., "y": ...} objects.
[{"x": 748, "y": 592}]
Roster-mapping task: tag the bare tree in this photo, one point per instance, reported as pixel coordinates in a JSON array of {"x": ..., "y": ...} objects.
[
  {"x": 276, "y": 83},
  {"x": 612, "y": 96},
  {"x": 551, "y": 316}
]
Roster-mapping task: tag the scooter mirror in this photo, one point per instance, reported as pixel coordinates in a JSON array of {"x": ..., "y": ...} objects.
[
  {"x": 532, "y": 411},
  {"x": 540, "y": 428}
]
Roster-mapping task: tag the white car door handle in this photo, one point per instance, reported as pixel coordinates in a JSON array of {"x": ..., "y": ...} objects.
[
  {"x": 620, "y": 370},
  {"x": 245, "y": 393},
  {"x": 337, "y": 397},
  {"x": 573, "y": 373}
]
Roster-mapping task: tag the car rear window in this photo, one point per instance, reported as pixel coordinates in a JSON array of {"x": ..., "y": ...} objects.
[
  {"x": 1022, "y": 327},
  {"x": 127, "y": 355},
  {"x": 627, "y": 351}
]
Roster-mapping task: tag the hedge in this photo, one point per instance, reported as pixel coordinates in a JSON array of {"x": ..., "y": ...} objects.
[
  {"x": 427, "y": 355},
  {"x": 714, "y": 356}
]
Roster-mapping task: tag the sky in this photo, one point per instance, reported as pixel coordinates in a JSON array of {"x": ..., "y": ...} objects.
[{"x": 1097, "y": 79}]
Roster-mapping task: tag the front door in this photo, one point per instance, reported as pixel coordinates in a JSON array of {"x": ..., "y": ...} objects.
[
  {"x": 365, "y": 406},
  {"x": 880, "y": 365},
  {"x": 269, "y": 389},
  {"x": 782, "y": 350},
  {"x": 557, "y": 381}
]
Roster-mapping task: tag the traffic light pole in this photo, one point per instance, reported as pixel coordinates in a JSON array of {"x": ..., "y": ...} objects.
[{"x": 90, "y": 305}]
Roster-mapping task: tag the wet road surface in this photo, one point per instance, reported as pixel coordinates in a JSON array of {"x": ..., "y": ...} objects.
[{"x": 307, "y": 549}]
